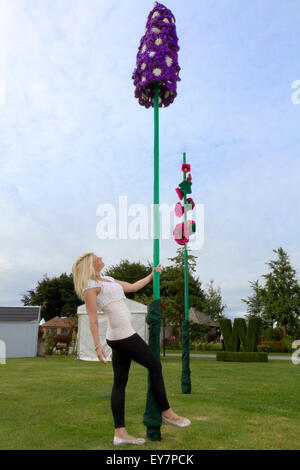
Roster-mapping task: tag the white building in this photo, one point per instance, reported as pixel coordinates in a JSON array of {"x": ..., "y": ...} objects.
[{"x": 19, "y": 327}]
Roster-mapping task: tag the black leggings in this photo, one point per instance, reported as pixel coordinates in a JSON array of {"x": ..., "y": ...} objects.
[{"x": 123, "y": 350}]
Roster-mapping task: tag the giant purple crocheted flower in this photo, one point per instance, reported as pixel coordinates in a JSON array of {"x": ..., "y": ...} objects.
[{"x": 157, "y": 59}]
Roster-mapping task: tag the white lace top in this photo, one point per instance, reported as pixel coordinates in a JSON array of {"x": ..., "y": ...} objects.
[{"x": 111, "y": 301}]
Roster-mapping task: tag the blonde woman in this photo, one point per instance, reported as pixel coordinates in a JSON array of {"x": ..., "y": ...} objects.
[{"x": 108, "y": 294}]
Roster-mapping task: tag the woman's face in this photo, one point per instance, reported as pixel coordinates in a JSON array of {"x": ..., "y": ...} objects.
[{"x": 98, "y": 263}]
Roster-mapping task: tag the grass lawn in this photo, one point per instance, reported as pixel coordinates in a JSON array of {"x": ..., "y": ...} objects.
[{"x": 63, "y": 403}]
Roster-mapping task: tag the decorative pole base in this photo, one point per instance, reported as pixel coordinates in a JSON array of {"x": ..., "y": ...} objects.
[
  {"x": 152, "y": 416},
  {"x": 186, "y": 372}
]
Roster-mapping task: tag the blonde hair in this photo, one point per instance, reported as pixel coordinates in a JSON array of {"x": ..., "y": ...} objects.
[{"x": 83, "y": 270}]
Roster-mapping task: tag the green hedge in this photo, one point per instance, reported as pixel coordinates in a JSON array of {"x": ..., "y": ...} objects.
[
  {"x": 239, "y": 335},
  {"x": 242, "y": 356}
]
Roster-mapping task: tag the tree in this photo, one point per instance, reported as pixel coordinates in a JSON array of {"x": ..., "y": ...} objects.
[
  {"x": 131, "y": 272},
  {"x": 279, "y": 299},
  {"x": 170, "y": 312},
  {"x": 172, "y": 283},
  {"x": 256, "y": 304},
  {"x": 282, "y": 299},
  {"x": 56, "y": 296},
  {"x": 213, "y": 302}
]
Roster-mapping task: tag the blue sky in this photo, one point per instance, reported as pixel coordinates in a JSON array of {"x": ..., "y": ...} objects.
[{"x": 73, "y": 137}]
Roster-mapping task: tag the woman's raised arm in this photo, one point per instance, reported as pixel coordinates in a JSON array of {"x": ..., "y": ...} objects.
[{"x": 139, "y": 284}]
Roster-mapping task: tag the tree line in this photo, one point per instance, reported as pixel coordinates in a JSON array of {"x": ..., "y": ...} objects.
[{"x": 278, "y": 300}]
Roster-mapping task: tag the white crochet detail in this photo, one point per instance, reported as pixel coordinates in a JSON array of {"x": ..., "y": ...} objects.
[
  {"x": 111, "y": 301},
  {"x": 110, "y": 291}
]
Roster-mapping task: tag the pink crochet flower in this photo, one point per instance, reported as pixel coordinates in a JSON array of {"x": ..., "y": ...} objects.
[
  {"x": 179, "y": 193},
  {"x": 189, "y": 178},
  {"x": 181, "y": 233},
  {"x": 179, "y": 210}
]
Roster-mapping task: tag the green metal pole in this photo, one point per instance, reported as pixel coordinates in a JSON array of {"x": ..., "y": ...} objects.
[
  {"x": 152, "y": 416},
  {"x": 156, "y": 276},
  {"x": 185, "y": 335},
  {"x": 186, "y": 278}
]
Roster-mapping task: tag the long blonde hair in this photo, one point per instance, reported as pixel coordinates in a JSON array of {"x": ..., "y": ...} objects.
[{"x": 83, "y": 270}]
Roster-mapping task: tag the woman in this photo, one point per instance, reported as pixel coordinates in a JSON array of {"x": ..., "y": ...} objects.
[{"x": 107, "y": 294}]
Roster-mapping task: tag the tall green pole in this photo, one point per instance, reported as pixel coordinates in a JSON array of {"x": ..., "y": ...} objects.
[
  {"x": 156, "y": 276},
  {"x": 185, "y": 333},
  {"x": 186, "y": 277},
  {"x": 155, "y": 78},
  {"x": 152, "y": 416}
]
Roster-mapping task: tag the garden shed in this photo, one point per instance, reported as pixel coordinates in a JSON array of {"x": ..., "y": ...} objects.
[
  {"x": 195, "y": 317},
  {"x": 202, "y": 318},
  {"x": 19, "y": 328},
  {"x": 85, "y": 342}
]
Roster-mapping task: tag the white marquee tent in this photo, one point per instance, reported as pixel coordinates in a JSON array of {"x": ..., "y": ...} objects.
[{"x": 85, "y": 343}]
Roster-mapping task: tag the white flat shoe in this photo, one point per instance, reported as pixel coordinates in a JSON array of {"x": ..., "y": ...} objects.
[
  {"x": 186, "y": 422},
  {"x": 119, "y": 441}
]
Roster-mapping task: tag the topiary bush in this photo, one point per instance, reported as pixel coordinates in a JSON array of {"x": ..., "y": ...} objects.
[
  {"x": 242, "y": 356},
  {"x": 241, "y": 341},
  {"x": 239, "y": 336}
]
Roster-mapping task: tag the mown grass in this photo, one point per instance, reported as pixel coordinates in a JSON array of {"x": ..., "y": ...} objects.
[{"x": 63, "y": 403}]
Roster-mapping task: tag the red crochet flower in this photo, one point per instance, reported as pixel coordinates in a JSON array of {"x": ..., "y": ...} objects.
[
  {"x": 179, "y": 193},
  {"x": 190, "y": 201},
  {"x": 189, "y": 178},
  {"x": 185, "y": 167}
]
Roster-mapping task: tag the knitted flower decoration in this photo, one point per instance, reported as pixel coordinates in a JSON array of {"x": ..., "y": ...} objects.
[
  {"x": 186, "y": 186},
  {"x": 185, "y": 167},
  {"x": 157, "y": 59},
  {"x": 190, "y": 201},
  {"x": 181, "y": 233},
  {"x": 179, "y": 193},
  {"x": 179, "y": 210},
  {"x": 192, "y": 226}
]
